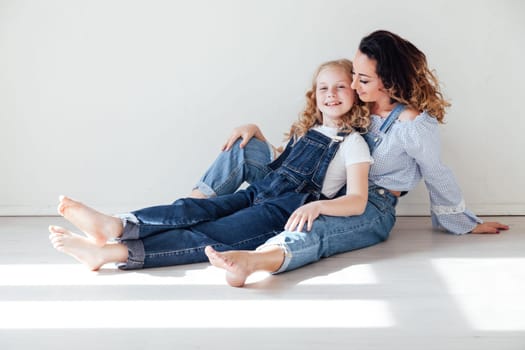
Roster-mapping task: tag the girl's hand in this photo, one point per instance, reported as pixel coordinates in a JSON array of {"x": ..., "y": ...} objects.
[
  {"x": 305, "y": 214},
  {"x": 245, "y": 132},
  {"x": 489, "y": 227}
]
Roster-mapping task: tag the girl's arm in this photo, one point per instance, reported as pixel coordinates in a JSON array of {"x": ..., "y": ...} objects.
[
  {"x": 353, "y": 203},
  {"x": 246, "y": 132}
]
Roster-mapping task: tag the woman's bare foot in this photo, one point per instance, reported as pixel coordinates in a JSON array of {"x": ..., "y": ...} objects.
[
  {"x": 197, "y": 194},
  {"x": 99, "y": 227},
  {"x": 81, "y": 248},
  {"x": 237, "y": 263}
]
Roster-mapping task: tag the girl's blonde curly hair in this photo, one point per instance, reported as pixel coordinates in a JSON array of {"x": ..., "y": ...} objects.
[{"x": 357, "y": 118}]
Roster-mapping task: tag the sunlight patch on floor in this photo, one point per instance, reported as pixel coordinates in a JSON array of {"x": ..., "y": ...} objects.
[
  {"x": 196, "y": 314},
  {"x": 489, "y": 291},
  {"x": 355, "y": 274},
  {"x": 78, "y": 275}
]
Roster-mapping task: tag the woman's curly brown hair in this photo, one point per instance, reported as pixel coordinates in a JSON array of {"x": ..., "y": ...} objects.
[
  {"x": 404, "y": 71},
  {"x": 357, "y": 118}
]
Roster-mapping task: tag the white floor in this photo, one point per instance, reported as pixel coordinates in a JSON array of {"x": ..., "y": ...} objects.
[{"x": 419, "y": 290}]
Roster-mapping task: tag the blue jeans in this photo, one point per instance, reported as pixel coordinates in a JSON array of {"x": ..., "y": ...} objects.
[
  {"x": 329, "y": 235},
  {"x": 177, "y": 234},
  {"x": 338, "y": 234},
  {"x": 232, "y": 168}
]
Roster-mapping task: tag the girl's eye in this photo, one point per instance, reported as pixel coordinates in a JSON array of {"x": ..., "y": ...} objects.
[
  {"x": 363, "y": 81},
  {"x": 323, "y": 88},
  {"x": 341, "y": 87}
]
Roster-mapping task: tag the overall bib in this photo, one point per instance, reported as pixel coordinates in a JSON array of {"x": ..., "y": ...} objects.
[
  {"x": 178, "y": 233},
  {"x": 332, "y": 235}
]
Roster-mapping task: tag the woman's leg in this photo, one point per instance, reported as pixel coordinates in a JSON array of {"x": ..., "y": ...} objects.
[
  {"x": 239, "y": 264},
  {"x": 329, "y": 235},
  {"x": 332, "y": 235},
  {"x": 233, "y": 167}
]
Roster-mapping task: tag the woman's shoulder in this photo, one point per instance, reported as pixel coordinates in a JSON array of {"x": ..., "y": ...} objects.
[
  {"x": 411, "y": 118},
  {"x": 409, "y": 114}
]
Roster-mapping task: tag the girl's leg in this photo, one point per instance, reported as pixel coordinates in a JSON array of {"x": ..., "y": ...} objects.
[
  {"x": 98, "y": 226},
  {"x": 243, "y": 230},
  {"x": 182, "y": 213},
  {"x": 84, "y": 250},
  {"x": 233, "y": 167}
]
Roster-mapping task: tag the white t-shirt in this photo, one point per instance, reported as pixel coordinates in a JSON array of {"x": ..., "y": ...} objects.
[{"x": 354, "y": 149}]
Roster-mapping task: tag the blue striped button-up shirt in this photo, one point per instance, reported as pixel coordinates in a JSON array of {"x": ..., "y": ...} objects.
[{"x": 409, "y": 152}]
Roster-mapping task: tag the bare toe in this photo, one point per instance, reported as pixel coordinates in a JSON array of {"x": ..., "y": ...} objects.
[{"x": 232, "y": 263}]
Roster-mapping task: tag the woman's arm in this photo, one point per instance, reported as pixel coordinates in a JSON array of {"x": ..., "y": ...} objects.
[
  {"x": 448, "y": 208},
  {"x": 353, "y": 203}
]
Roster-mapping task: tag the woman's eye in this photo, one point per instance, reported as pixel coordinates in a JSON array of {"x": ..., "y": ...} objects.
[{"x": 363, "y": 81}]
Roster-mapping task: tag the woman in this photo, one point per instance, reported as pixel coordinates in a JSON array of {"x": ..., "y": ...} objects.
[{"x": 392, "y": 76}]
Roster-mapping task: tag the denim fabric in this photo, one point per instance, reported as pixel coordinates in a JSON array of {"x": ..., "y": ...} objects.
[
  {"x": 330, "y": 234},
  {"x": 337, "y": 234},
  {"x": 178, "y": 233},
  {"x": 235, "y": 166}
]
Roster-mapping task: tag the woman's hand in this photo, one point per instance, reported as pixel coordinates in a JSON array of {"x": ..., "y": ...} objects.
[
  {"x": 245, "y": 132},
  {"x": 304, "y": 215},
  {"x": 489, "y": 227}
]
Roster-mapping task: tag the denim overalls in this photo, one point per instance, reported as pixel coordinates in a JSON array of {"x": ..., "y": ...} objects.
[
  {"x": 178, "y": 233},
  {"x": 338, "y": 234}
]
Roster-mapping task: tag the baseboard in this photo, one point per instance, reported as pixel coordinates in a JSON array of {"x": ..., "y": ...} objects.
[{"x": 403, "y": 209}]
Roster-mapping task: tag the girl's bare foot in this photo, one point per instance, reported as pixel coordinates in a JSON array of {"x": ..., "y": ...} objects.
[
  {"x": 237, "y": 263},
  {"x": 99, "y": 227},
  {"x": 81, "y": 248}
]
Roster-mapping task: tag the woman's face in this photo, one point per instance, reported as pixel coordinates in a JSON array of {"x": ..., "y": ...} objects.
[{"x": 365, "y": 80}]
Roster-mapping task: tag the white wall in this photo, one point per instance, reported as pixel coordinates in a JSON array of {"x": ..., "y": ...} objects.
[{"x": 123, "y": 104}]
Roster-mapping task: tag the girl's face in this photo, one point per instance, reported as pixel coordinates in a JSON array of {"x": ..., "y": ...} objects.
[
  {"x": 334, "y": 94},
  {"x": 365, "y": 80}
]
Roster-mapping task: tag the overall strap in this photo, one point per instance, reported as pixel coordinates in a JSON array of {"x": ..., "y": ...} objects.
[
  {"x": 392, "y": 117},
  {"x": 276, "y": 163},
  {"x": 316, "y": 181},
  {"x": 280, "y": 159},
  {"x": 387, "y": 124}
]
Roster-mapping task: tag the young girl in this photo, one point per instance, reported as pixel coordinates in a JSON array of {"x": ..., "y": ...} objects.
[
  {"x": 324, "y": 152},
  {"x": 392, "y": 76}
]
